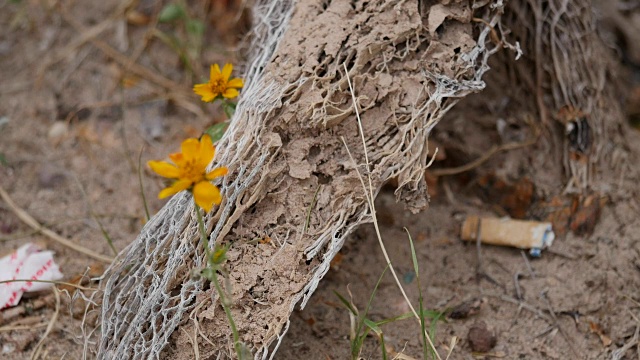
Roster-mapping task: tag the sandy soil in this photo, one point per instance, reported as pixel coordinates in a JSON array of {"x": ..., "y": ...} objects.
[{"x": 71, "y": 141}]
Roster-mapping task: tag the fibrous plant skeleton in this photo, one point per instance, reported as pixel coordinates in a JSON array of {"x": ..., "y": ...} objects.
[{"x": 293, "y": 194}]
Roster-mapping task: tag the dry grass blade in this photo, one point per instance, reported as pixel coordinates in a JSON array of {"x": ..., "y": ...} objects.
[
  {"x": 31, "y": 222},
  {"x": 23, "y": 327},
  {"x": 194, "y": 343},
  {"x": 52, "y": 322},
  {"x": 370, "y": 199},
  {"x": 618, "y": 354}
]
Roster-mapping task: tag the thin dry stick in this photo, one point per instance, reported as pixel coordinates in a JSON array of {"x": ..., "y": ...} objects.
[
  {"x": 31, "y": 222},
  {"x": 482, "y": 159},
  {"x": 176, "y": 92},
  {"x": 22, "y": 327},
  {"x": 54, "y": 318},
  {"x": 79, "y": 287},
  {"x": 370, "y": 200},
  {"x": 194, "y": 344}
]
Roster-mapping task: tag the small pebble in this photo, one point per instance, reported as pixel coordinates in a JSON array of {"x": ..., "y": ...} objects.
[
  {"x": 481, "y": 338},
  {"x": 58, "y": 130}
]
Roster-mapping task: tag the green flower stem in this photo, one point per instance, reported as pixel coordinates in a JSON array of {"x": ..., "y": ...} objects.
[{"x": 214, "y": 280}]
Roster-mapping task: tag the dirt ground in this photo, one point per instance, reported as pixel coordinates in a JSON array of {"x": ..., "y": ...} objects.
[{"x": 75, "y": 115}]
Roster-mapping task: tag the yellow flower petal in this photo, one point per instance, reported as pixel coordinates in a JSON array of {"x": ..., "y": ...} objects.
[
  {"x": 215, "y": 72},
  {"x": 235, "y": 83},
  {"x": 217, "y": 172},
  {"x": 177, "y": 159},
  {"x": 206, "y": 194},
  {"x": 164, "y": 169},
  {"x": 190, "y": 149},
  {"x": 175, "y": 188},
  {"x": 205, "y": 91},
  {"x": 230, "y": 93},
  {"x": 207, "y": 151},
  {"x": 226, "y": 71}
]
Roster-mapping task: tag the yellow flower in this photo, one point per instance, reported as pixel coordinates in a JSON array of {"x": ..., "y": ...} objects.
[
  {"x": 189, "y": 168},
  {"x": 219, "y": 84}
]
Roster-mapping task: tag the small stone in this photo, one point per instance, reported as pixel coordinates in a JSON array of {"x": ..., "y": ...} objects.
[
  {"x": 58, "y": 130},
  {"x": 481, "y": 338},
  {"x": 8, "y": 348}
]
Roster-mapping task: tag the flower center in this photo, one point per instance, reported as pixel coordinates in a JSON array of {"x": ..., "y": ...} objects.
[
  {"x": 218, "y": 86},
  {"x": 192, "y": 172}
]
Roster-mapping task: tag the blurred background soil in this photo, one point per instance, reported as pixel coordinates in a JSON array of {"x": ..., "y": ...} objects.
[{"x": 91, "y": 90}]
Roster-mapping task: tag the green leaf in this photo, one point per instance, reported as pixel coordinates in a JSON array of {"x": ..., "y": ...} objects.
[
  {"x": 229, "y": 108},
  {"x": 346, "y": 303},
  {"x": 195, "y": 27},
  {"x": 3, "y": 160},
  {"x": 216, "y": 131},
  {"x": 171, "y": 12},
  {"x": 373, "y": 326}
]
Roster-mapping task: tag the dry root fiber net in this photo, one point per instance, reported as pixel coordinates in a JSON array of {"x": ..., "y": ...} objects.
[
  {"x": 293, "y": 193},
  {"x": 567, "y": 78}
]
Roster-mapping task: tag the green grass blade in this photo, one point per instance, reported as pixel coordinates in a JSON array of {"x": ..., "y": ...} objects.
[
  {"x": 144, "y": 198},
  {"x": 346, "y": 303},
  {"x": 425, "y": 351}
]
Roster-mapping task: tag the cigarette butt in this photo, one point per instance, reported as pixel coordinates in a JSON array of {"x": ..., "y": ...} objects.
[{"x": 521, "y": 234}]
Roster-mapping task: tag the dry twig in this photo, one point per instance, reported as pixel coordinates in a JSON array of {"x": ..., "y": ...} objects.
[
  {"x": 32, "y": 223},
  {"x": 483, "y": 158},
  {"x": 173, "y": 90}
]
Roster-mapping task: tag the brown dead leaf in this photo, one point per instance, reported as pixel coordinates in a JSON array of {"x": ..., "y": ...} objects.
[
  {"x": 266, "y": 240},
  {"x": 597, "y": 329},
  {"x": 336, "y": 260},
  {"x": 93, "y": 271},
  {"x": 515, "y": 199},
  {"x": 432, "y": 184},
  {"x": 587, "y": 215},
  {"x": 135, "y": 17}
]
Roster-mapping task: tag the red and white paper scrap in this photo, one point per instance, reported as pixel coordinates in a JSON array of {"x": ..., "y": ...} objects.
[{"x": 28, "y": 262}]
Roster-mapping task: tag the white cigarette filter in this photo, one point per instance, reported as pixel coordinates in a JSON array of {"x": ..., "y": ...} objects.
[{"x": 521, "y": 234}]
